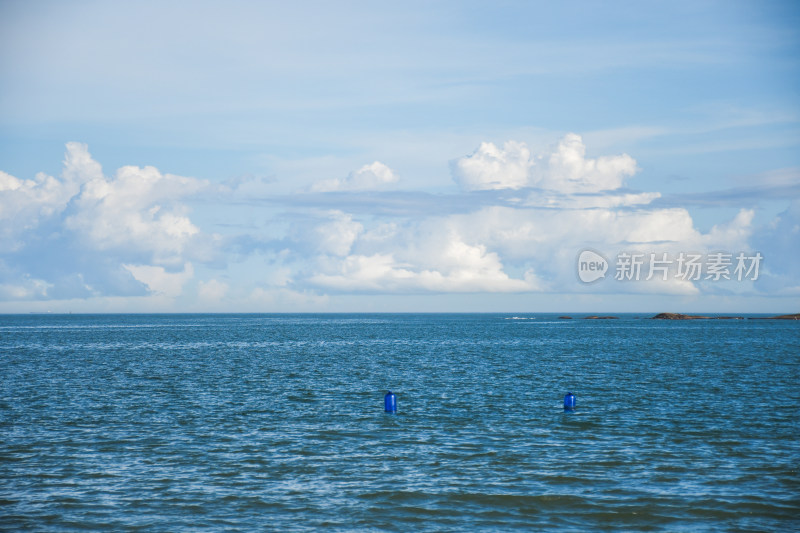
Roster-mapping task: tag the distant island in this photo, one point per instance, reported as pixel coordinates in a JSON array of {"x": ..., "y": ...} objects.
[{"x": 679, "y": 316}]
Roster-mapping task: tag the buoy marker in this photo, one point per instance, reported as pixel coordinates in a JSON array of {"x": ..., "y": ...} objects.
[
  {"x": 390, "y": 402},
  {"x": 569, "y": 402}
]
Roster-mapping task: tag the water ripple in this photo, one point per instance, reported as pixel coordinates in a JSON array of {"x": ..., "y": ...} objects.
[{"x": 276, "y": 423}]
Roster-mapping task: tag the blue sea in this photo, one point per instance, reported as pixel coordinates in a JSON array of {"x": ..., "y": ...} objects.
[{"x": 277, "y": 423}]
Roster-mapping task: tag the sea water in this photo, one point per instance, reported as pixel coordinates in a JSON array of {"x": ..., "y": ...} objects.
[{"x": 276, "y": 423}]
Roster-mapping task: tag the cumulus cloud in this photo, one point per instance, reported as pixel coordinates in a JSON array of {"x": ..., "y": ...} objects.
[
  {"x": 84, "y": 234},
  {"x": 549, "y": 240},
  {"x": 369, "y": 177},
  {"x": 568, "y": 170},
  {"x": 133, "y": 211},
  {"x": 490, "y": 167},
  {"x": 515, "y": 249},
  {"x": 477, "y": 271},
  {"x": 564, "y": 169},
  {"x": 26, "y": 204},
  {"x": 431, "y": 256}
]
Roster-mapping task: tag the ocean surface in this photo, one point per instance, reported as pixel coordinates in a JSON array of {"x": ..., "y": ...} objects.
[{"x": 276, "y": 423}]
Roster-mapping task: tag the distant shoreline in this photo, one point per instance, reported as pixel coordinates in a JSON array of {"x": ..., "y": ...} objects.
[{"x": 679, "y": 316}]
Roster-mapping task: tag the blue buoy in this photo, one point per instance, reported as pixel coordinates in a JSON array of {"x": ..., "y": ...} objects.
[
  {"x": 569, "y": 402},
  {"x": 390, "y": 402}
]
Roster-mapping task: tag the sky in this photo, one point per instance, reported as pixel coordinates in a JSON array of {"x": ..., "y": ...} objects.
[{"x": 506, "y": 156}]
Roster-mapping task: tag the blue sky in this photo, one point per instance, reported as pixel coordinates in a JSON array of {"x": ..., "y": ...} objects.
[{"x": 416, "y": 156}]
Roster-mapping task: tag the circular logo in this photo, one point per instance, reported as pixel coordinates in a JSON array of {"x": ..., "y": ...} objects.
[{"x": 592, "y": 266}]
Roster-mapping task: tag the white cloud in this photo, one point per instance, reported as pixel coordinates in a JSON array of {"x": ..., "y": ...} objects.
[
  {"x": 565, "y": 169},
  {"x": 383, "y": 273},
  {"x": 489, "y": 167},
  {"x": 432, "y": 257},
  {"x": 76, "y": 233},
  {"x": 338, "y": 234},
  {"x": 25, "y": 204},
  {"x": 134, "y": 210},
  {"x": 523, "y": 233},
  {"x": 512, "y": 249},
  {"x": 549, "y": 240},
  {"x": 369, "y": 177},
  {"x": 569, "y": 170},
  {"x": 732, "y": 235},
  {"x": 161, "y": 282},
  {"x": 9, "y": 182},
  {"x": 79, "y": 167}
]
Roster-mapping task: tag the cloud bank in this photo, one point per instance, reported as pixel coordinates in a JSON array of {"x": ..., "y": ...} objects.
[{"x": 132, "y": 234}]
